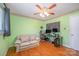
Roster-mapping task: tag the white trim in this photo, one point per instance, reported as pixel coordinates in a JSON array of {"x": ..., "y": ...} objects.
[{"x": 67, "y": 46}]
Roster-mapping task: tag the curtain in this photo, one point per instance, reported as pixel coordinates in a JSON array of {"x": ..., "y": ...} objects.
[{"x": 6, "y": 22}]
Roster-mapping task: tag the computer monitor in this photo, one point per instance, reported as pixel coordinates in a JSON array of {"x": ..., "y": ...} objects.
[
  {"x": 48, "y": 31},
  {"x": 55, "y": 30}
]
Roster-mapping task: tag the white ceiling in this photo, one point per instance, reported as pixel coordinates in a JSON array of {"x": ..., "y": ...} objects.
[{"x": 27, "y": 9}]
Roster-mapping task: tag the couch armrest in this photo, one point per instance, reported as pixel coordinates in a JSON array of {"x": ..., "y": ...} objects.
[
  {"x": 18, "y": 41},
  {"x": 37, "y": 38}
]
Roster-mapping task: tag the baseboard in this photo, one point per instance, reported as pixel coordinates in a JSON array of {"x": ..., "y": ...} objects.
[
  {"x": 67, "y": 46},
  {"x": 6, "y": 52},
  {"x": 70, "y": 47}
]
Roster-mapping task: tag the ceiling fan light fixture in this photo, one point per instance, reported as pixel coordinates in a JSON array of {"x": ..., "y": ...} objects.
[
  {"x": 46, "y": 14},
  {"x": 42, "y": 15}
]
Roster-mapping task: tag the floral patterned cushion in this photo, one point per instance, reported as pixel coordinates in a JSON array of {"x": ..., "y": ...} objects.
[
  {"x": 25, "y": 38},
  {"x": 32, "y": 37}
]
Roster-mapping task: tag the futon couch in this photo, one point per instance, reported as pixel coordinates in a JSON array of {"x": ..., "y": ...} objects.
[{"x": 26, "y": 42}]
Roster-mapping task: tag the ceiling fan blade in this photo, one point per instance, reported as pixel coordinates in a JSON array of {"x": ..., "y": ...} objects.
[
  {"x": 52, "y": 13},
  {"x": 36, "y": 13},
  {"x": 38, "y": 6},
  {"x": 52, "y": 6}
]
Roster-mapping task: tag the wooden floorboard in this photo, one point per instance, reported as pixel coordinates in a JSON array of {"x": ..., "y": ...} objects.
[{"x": 44, "y": 49}]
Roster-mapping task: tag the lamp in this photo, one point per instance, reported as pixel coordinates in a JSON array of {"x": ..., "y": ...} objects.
[{"x": 44, "y": 14}]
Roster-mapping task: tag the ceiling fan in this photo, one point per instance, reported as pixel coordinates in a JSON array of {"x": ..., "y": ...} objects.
[{"x": 43, "y": 11}]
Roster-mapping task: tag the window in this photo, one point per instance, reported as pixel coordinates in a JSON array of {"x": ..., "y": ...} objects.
[{"x": 1, "y": 20}]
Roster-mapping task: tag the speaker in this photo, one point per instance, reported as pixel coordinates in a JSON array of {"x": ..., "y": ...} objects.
[{"x": 6, "y": 22}]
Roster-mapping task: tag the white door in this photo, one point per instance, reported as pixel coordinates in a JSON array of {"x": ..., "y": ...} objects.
[{"x": 74, "y": 32}]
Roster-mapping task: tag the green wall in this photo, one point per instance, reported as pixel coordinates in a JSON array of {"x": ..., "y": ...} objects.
[
  {"x": 22, "y": 25},
  {"x": 3, "y": 44},
  {"x": 64, "y": 26}
]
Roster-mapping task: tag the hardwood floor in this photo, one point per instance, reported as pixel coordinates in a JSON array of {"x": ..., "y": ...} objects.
[{"x": 44, "y": 49}]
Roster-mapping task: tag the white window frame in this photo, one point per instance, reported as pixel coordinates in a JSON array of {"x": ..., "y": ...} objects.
[{"x": 1, "y": 20}]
